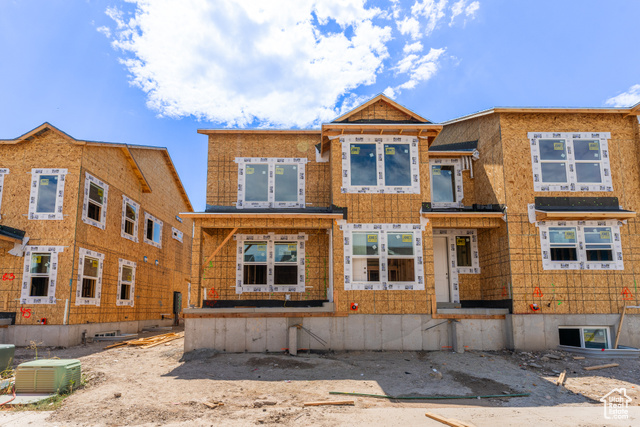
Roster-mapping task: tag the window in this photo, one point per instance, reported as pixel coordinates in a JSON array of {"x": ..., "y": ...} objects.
[
  {"x": 176, "y": 234},
  {"x": 89, "y": 287},
  {"x": 40, "y": 274},
  {"x": 570, "y": 161},
  {"x": 129, "y": 227},
  {"x": 3, "y": 172},
  {"x": 47, "y": 193},
  {"x": 94, "y": 208},
  {"x": 152, "y": 230},
  {"x": 585, "y": 336},
  {"x": 271, "y": 182},
  {"x": 126, "y": 282},
  {"x": 270, "y": 263},
  {"x": 463, "y": 250},
  {"x": 446, "y": 183},
  {"x": 581, "y": 245},
  {"x": 380, "y": 164},
  {"x": 383, "y": 257}
]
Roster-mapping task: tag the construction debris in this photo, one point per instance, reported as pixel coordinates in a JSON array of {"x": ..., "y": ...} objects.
[
  {"x": 336, "y": 402},
  {"x": 149, "y": 341},
  {"x": 608, "y": 365},
  {"x": 562, "y": 378},
  {"x": 213, "y": 405},
  {"x": 448, "y": 421}
]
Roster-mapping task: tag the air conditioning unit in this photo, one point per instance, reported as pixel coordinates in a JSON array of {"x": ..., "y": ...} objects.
[{"x": 48, "y": 376}]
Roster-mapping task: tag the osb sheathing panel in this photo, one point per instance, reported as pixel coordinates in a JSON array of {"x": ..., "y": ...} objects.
[
  {"x": 569, "y": 291},
  {"x": 488, "y": 181},
  {"x": 380, "y": 110},
  {"x": 219, "y": 276},
  {"x": 48, "y": 150},
  {"x": 154, "y": 284},
  {"x": 222, "y": 171}
]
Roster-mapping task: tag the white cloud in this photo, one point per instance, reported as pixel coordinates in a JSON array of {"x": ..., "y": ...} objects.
[
  {"x": 432, "y": 10},
  {"x": 460, "y": 7},
  {"x": 419, "y": 68},
  {"x": 625, "y": 99},
  {"x": 413, "y": 47},
  {"x": 409, "y": 26},
  {"x": 272, "y": 62},
  {"x": 104, "y": 30}
]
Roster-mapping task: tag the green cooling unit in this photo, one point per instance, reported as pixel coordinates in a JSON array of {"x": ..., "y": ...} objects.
[{"x": 47, "y": 376}]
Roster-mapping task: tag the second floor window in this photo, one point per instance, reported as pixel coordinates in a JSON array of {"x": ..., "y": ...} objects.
[
  {"x": 47, "y": 193},
  {"x": 94, "y": 207},
  {"x": 152, "y": 230},
  {"x": 569, "y": 161},
  {"x": 271, "y": 182},
  {"x": 380, "y": 164},
  {"x": 129, "y": 226},
  {"x": 446, "y": 183}
]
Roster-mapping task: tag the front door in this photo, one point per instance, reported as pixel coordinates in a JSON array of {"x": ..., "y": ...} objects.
[{"x": 441, "y": 269}]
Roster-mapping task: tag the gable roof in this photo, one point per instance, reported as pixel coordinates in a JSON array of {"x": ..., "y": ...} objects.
[
  {"x": 411, "y": 116},
  {"x": 125, "y": 148}
]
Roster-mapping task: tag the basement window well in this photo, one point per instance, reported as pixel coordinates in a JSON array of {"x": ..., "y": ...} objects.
[
  {"x": 47, "y": 193},
  {"x": 597, "y": 337},
  {"x": 94, "y": 207},
  {"x": 152, "y": 230},
  {"x": 271, "y": 182}
]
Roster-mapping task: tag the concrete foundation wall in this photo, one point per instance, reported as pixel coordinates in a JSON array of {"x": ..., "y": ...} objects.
[
  {"x": 361, "y": 332},
  {"x": 69, "y": 335},
  {"x": 540, "y": 332}
]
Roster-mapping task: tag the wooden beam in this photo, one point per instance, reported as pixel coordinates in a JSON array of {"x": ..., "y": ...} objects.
[
  {"x": 334, "y": 402},
  {"x": 450, "y": 153},
  {"x": 213, "y": 215},
  {"x": 219, "y": 248},
  {"x": 608, "y": 365},
  {"x": 577, "y": 215},
  {"x": 624, "y": 310},
  {"x": 447, "y": 421},
  {"x": 257, "y": 314},
  {"x": 259, "y": 131},
  {"x": 10, "y": 239},
  {"x": 462, "y": 214}
]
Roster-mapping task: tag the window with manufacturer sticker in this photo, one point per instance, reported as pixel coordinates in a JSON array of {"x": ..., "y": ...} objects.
[
  {"x": 397, "y": 165},
  {"x": 40, "y": 274},
  {"x": 47, "y": 192},
  {"x": 563, "y": 241},
  {"x": 363, "y": 165}
]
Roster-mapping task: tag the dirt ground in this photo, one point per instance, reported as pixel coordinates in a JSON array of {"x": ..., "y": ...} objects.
[{"x": 161, "y": 385}]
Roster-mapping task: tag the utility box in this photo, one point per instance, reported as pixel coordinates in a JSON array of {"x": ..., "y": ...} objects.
[
  {"x": 7, "y": 352},
  {"x": 48, "y": 376}
]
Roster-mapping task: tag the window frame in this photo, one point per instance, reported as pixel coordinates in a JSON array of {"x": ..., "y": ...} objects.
[
  {"x": 35, "y": 189},
  {"x": 25, "y": 297},
  {"x": 582, "y": 328},
  {"x": 3, "y": 172},
  {"x": 572, "y": 183},
  {"x": 272, "y": 163},
  {"x": 383, "y": 229},
  {"x": 148, "y": 217},
  {"x": 459, "y": 187},
  {"x": 380, "y": 141},
  {"x": 88, "y": 180},
  {"x": 270, "y": 239},
  {"x": 131, "y": 301},
  {"x": 82, "y": 254},
  {"x": 126, "y": 200},
  {"x": 581, "y": 263},
  {"x": 177, "y": 234}
]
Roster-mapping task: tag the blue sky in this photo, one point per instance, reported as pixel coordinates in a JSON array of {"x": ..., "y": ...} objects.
[{"x": 153, "y": 72}]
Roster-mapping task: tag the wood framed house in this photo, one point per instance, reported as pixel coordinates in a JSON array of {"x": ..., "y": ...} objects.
[
  {"x": 91, "y": 240},
  {"x": 511, "y": 223}
]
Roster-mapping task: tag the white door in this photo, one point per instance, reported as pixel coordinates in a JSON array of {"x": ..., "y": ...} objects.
[{"x": 441, "y": 269}]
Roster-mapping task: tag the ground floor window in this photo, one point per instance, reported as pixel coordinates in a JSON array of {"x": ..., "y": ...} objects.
[
  {"x": 89, "y": 286},
  {"x": 40, "y": 274},
  {"x": 383, "y": 256},
  {"x": 126, "y": 282},
  {"x": 581, "y": 245},
  {"x": 270, "y": 262},
  {"x": 585, "y": 336},
  {"x": 463, "y": 249}
]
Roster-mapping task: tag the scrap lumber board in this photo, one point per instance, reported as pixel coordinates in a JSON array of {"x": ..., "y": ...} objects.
[
  {"x": 335, "y": 402},
  {"x": 609, "y": 365},
  {"x": 562, "y": 378},
  {"x": 448, "y": 421}
]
